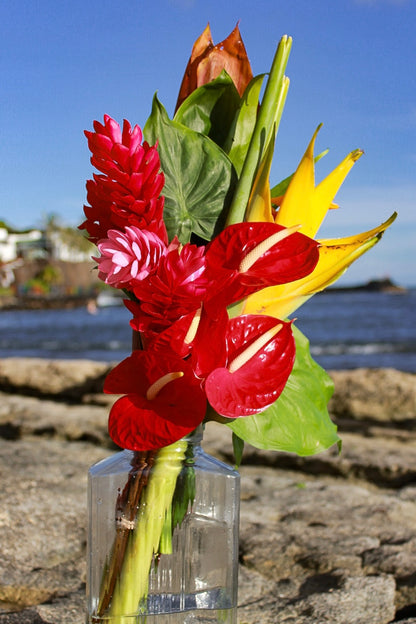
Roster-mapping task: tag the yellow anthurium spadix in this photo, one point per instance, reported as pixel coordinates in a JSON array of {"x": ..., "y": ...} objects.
[
  {"x": 305, "y": 203},
  {"x": 335, "y": 256}
]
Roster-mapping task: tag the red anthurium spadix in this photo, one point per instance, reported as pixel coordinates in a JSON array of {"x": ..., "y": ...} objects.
[
  {"x": 247, "y": 257},
  {"x": 164, "y": 400},
  {"x": 261, "y": 354}
]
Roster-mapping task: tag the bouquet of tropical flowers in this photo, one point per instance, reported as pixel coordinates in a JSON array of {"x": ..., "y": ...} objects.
[{"x": 213, "y": 259}]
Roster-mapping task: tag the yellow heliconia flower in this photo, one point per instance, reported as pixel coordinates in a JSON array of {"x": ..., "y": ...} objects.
[
  {"x": 335, "y": 256},
  {"x": 306, "y": 205}
]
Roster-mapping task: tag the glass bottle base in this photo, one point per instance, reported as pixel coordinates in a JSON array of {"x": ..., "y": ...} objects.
[{"x": 178, "y": 609}]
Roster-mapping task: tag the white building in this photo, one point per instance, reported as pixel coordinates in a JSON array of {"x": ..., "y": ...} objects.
[
  {"x": 16, "y": 244},
  {"x": 34, "y": 244},
  {"x": 67, "y": 253}
]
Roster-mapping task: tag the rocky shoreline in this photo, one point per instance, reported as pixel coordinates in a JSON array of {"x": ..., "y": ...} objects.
[{"x": 335, "y": 541}]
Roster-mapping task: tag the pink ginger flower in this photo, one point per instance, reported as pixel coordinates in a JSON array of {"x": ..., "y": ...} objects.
[
  {"x": 128, "y": 257},
  {"x": 128, "y": 191}
]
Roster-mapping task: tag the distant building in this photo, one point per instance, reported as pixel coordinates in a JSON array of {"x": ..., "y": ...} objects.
[
  {"x": 61, "y": 249},
  {"x": 27, "y": 245},
  {"x": 35, "y": 245}
]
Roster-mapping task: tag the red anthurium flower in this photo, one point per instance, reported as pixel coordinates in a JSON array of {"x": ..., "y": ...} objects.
[
  {"x": 128, "y": 192},
  {"x": 198, "y": 333},
  {"x": 261, "y": 354},
  {"x": 178, "y": 337},
  {"x": 247, "y": 257},
  {"x": 164, "y": 400},
  {"x": 209, "y": 344}
]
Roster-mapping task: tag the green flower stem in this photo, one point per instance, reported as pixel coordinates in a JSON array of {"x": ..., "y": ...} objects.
[
  {"x": 269, "y": 117},
  {"x": 155, "y": 504}
]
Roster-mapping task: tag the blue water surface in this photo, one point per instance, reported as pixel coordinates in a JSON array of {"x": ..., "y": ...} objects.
[{"x": 347, "y": 329}]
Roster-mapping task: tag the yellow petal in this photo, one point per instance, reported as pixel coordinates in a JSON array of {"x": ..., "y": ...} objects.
[
  {"x": 296, "y": 203},
  {"x": 327, "y": 189},
  {"x": 303, "y": 202},
  {"x": 335, "y": 256}
]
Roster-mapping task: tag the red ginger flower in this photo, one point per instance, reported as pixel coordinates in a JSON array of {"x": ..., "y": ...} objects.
[
  {"x": 128, "y": 191},
  {"x": 177, "y": 287}
]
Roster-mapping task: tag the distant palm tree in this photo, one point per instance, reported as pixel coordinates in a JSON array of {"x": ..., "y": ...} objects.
[{"x": 73, "y": 238}]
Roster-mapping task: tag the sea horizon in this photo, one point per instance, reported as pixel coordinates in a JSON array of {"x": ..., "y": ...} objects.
[{"x": 346, "y": 329}]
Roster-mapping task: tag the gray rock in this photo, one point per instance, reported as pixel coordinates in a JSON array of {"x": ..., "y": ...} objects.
[
  {"x": 22, "y": 416},
  {"x": 383, "y": 395},
  {"x": 360, "y": 458},
  {"x": 365, "y": 600},
  {"x": 60, "y": 379},
  {"x": 324, "y": 539},
  {"x": 27, "y": 616},
  {"x": 43, "y": 519}
]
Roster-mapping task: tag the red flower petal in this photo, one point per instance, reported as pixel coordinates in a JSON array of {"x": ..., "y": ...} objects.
[
  {"x": 289, "y": 259},
  {"x": 138, "y": 422},
  {"x": 128, "y": 190},
  {"x": 133, "y": 426},
  {"x": 209, "y": 345},
  {"x": 173, "y": 338},
  {"x": 258, "y": 382}
]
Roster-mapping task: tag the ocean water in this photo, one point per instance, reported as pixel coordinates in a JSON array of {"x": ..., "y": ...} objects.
[{"x": 346, "y": 330}]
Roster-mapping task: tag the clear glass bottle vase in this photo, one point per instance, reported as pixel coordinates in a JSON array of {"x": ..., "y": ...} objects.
[{"x": 163, "y": 537}]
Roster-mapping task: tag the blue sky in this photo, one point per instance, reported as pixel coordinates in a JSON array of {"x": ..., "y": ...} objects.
[{"x": 63, "y": 64}]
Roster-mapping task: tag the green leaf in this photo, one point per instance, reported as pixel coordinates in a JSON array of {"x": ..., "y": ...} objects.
[
  {"x": 267, "y": 123},
  {"x": 211, "y": 109},
  {"x": 241, "y": 131},
  {"x": 298, "y": 422},
  {"x": 199, "y": 177},
  {"x": 238, "y": 448}
]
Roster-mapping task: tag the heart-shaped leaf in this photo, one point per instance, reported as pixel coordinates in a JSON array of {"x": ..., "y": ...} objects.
[
  {"x": 199, "y": 177},
  {"x": 211, "y": 109}
]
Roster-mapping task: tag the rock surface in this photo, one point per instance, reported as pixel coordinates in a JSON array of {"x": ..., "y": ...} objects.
[{"x": 326, "y": 539}]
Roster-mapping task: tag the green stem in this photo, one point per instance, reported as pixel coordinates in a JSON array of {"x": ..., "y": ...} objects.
[
  {"x": 269, "y": 116},
  {"x": 132, "y": 585}
]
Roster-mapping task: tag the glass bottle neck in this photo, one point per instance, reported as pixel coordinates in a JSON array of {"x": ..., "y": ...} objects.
[{"x": 195, "y": 437}]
